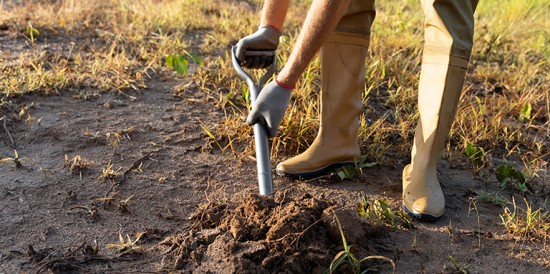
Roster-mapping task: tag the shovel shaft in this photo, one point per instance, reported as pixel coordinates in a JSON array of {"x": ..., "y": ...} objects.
[
  {"x": 262, "y": 160},
  {"x": 260, "y": 132}
]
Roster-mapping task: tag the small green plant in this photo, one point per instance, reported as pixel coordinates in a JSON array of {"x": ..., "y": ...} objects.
[
  {"x": 123, "y": 205},
  {"x": 349, "y": 172},
  {"x": 127, "y": 246},
  {"x": 346, "y": 256},
  {"x": 472, "y": 206},
  {"x": 475, "y": 153},
  {"x": 180, "y": 63},
  {"x": 114, "y": 138},
  {"x": 526, "y": 223},
  {"x": 32, "y": 32},
  {"x": 213, "y": 137},
  {"x": 90, "y": 209},
  {"x": 14, "y": 159},
  {"x": 380, "y": 212},
  {"x": 493, "y": 198},
  {"x": 525, "y": 114},
  {"x": 458, "y": 268},
  {"x": 507, "y": 175}
]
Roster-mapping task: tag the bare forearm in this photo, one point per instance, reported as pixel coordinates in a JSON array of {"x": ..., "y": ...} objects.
[
  {"x": 321, "y": 20},
  {"x": 274, "y": 13}
]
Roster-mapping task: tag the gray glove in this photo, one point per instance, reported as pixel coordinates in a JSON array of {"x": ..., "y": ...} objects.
[
  {"x": 265, "y": 38},
  {"x": 269, "y": 108}
]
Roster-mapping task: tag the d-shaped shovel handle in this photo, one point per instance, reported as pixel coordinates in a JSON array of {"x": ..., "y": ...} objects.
[
  {"x": 254, "y": 88},
  {"x": 260, "y": 132}
]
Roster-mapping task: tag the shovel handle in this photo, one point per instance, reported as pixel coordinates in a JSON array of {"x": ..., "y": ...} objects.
[{"x": 254, "y": 88}]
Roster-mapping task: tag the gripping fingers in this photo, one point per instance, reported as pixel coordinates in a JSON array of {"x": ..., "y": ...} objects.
[
  {"x": 252, "y": 118},
  {"x": 257, "y": 117},
  {"x": 257, "y": 62},
  {"x": 240, "y": 51}
]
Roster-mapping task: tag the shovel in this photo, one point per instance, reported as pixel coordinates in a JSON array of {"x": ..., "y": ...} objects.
[{"x": 260, "y": 132}]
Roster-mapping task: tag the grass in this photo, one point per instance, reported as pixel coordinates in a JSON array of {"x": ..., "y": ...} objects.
[
  {"x": 109, "y": 173},
  {"x": 76, "y": 164},
  {"x": 457, "y": 267},
  {"x": 15, "y": 159},
  {"x": 526, "y": 222},
  {"x": 128, "y": 245},
  {"x": 117, "y": 46},
  {"x": 346, "y": 257},
  {"x": 379, "y": 212}
]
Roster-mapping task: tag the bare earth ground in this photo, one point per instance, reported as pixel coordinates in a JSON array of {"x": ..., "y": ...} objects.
[{"x": 195, "y": 207}]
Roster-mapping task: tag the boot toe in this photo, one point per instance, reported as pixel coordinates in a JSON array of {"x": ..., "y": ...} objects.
[
  {"x": 306, "y": 173},
  {"x": 422, "y": 216}
]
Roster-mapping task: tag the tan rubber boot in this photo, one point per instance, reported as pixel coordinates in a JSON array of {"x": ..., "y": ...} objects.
[
  {"x": 343, "y": 75},
  {"x": 422, "y": 194},
  {"x": 448, "y": 36}
]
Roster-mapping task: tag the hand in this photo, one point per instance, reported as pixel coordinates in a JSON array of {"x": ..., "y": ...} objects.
[
  {"x": 270, "y": 107},
  {"x": 265, "y": 38}
]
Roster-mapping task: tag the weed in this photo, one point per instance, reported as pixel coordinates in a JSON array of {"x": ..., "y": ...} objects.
[
  {"x": 472, "y": 205},
  {"x": 525, "y": 114},
  {"x": 76, "y": 164},
  {"x": 350, "y": 172},
  {"x": 15, "y": 159},
  {"x": 211, "y": 136},
  {"x": 346, "y": 256},
  {"x": 114, "y": 138},
  {"x": 32, "y": 32},
  {"x": 526, "y": 223},
  {"x": 493, "y": 198},
  {"x": 108, "y": 200},
  {"x": 380, "y": 212},
  {"x": 457, "y": 267},
  {"x": 180, "y": 63},
  {"x": 90, "y": 209},
  {"x": 24, "y": 111},
  {"x": 127, "y": 246},
  {"x": 109, "y": 173},
  {"x": 123, "y": 205},
  {"x": 507, "y": 175},
  {"x": 476, "y": 154},
  {"x": 93, "y": 136}
]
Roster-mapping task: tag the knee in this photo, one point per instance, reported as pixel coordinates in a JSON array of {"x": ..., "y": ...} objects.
[
  {"x": 358, "y": 18},
  {"x": 450, "y": 25}
]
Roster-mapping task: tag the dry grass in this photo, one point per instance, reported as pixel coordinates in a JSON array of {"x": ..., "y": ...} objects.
[{"x": 528, "y": 222}]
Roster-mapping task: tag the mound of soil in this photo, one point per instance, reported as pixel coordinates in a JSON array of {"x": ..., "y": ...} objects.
[{"x": 266, "y": 235}]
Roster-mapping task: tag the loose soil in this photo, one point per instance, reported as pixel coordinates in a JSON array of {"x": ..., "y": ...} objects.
[{"x": 175, "y": 203}]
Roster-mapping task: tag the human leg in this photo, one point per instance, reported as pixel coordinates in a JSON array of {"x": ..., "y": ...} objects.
[
  {"x": 448, "y": 39},
  {"x": 342, "y": 76}
]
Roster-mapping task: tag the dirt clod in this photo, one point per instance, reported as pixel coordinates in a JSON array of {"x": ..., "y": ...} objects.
[{"x": 264, "y": 235}]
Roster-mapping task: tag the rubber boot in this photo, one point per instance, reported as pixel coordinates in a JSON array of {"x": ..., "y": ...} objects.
[
  {"x": 448, "y": 36},
  {"x": 343, "y": 75}
]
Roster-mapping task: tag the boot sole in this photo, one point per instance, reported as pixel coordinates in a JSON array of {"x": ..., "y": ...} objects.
[
  {"x": 314, "y": 174},
  {"x": 421, "y": 216}
]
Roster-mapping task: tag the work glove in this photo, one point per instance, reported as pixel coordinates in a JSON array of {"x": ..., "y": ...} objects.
[
  {"x": 269, "y": 108},
  {"x": 265, "y": 38}
]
